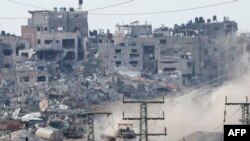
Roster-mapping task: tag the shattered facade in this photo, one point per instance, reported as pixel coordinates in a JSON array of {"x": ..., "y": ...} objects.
[
  {"x": 32, "y": 74},
  {"x": 135, "y": 29},
  {"x": 57, "y": 68},
  {"x": 121, "y": 57},
  {"x": 58, "y": 35},
  {"x": 12, "y": 51},
  {"x": 196, "y": 51}
]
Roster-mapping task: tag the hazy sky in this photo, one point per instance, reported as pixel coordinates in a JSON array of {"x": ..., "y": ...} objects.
[{"x": 238, "y": 11}]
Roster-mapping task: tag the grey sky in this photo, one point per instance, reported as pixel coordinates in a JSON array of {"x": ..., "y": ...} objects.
[{"x": 238, "y": 11}]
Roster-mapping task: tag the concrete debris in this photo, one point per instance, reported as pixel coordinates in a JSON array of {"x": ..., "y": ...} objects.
[
  {"x": 71, "y": 72},
  {"x": 140, "y": 87}
]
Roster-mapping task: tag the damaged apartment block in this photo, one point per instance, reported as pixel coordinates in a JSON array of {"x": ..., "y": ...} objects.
[
  {"x": 32, "y": 74},
  {"x": 58, "y": 35},
  {"x": 13, "y": 49},
  {"x": 191, "y": 53}
]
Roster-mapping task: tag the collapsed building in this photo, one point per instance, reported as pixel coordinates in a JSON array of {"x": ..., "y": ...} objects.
[{"x": 196, "y": 51}]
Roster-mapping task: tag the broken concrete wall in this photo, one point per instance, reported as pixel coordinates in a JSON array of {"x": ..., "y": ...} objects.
[
  {"x": 192, "y": 58},
  {"x": 66, "y": 44},
  {"x": 31, "y": 74},
  {"x": 10, "y": 47},
  {"x": 210, "y": 28},
  {"x": 58, "y": 21},
  {"x": 135, "y": 30},
  {"x": 30, "y": 33}
]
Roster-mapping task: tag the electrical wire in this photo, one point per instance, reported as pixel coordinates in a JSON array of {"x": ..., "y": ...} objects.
[
  {"x": 206, "y": 82},
  {"x": 217, "y": 127},
  {"x": 193, "y": 88},
  {"x": 95, "y": 9},
  {"x": 29, "y": 5},
  {"x": 235, "y": 88},
  {"x": 188, "y": 9},
  {"x": 231, "y": 116},
  {"x": 227, "y": 119},
  {"x": 170, "y": 11},
  {"x": 206, "y": 126},
  {"x": 130, "y": 14},
  {"x": 110, "y": 6},
  {"x": 182, "y": 92}
]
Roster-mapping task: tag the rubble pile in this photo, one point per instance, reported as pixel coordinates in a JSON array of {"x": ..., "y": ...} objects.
[
  {"x": 83, "y": 91},
  {"x": 140, "y": 87},
  {"x": 57, "y": 71},
  {"x": 93, "y": 89}
]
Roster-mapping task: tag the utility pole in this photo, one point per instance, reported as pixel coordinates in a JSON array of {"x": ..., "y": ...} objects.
[
  {"x": 91, "y": 124},
  {"x": 245, "y": 118},
  {"x": 143, "y": 135}
]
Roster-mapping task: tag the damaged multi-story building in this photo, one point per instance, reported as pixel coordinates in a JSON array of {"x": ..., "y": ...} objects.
[
  {"x": 59, "y": 35},
  {"x": 57, "y": 38},
  {"x": 32, "y": 74},
  {"x": 12, "y": 51},
  {"x": 15, "y": 64},
  {"x": 196, "y": 51}
]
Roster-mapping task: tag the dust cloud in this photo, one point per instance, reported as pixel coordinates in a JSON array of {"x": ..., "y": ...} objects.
[{"x": 196, "y": 111}]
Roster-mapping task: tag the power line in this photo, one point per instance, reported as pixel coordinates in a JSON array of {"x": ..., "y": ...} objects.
[
  {"x": 233, "y": 88},
  {"x": 201, "y": 85},
  {"x": 164, "y": 12},
  {"x": 25, "y": 4},
  {"x": 234, "y": 114},
  {"x": 95, "y": 9},
  {"x": 208, "y": 81},
  {"x": 129, "y": 14},
  {"x": 143, "y": 134},
  {"x": 227, "y": 119},
  {"x": 245, "y": 111},
  {"x": 114, "y": 5}
]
